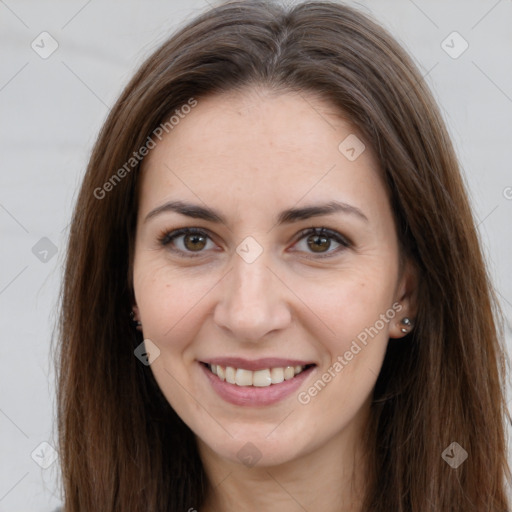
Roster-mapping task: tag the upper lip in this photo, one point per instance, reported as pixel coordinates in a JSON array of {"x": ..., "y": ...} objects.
[{"x": 255, "y": 364}]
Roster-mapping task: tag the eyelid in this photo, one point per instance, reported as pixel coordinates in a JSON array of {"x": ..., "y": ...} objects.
[
  {"x": 331, "y": 233},
  {"x": 166, "y": 236}
]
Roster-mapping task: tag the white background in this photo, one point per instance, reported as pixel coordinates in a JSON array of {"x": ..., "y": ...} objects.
[{"x": 52, "y": 109}]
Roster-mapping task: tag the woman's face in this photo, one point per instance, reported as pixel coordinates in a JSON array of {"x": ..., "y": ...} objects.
[{"x": 298, "y": 320}]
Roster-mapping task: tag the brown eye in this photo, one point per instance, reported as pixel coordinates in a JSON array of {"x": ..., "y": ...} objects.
[
  {"x": 186, "y": 241},
  {"x": 318, "y": 243},
  {"x": 194, "y": 242}
]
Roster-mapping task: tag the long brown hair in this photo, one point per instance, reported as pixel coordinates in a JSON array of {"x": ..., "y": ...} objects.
[{"x": 122, "y": 446}]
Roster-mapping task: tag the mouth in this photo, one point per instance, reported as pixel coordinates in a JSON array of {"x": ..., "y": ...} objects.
[
  {"x": 256, "y": 378},
  {"x": 265, "y": 385}
]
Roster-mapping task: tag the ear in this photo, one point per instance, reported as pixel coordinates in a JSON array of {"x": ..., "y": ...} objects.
[
  {"x": 407, "y": 296},
  {"x": 136, "y": 317}
]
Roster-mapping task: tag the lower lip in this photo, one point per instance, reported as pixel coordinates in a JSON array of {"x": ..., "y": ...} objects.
[{"x": 252, "y": 395}]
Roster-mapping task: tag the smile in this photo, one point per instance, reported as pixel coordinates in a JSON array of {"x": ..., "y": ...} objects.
[
  {"x": 259, "y": 378},
  {"x": 265, "y": 385}
]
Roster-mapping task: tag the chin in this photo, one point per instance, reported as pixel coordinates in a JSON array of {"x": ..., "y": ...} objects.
[{"x": 256, "y": 450}]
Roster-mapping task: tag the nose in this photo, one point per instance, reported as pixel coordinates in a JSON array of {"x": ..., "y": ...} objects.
[{"x": 253, "y": 301}]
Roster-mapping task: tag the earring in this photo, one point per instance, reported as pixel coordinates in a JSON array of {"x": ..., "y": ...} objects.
[
  {"x": 407, "y": 322},
  {"x": 136, "y": 323}
]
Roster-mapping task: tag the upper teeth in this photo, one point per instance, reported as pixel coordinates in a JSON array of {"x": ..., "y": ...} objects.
[{"x": 259, "y": 378}]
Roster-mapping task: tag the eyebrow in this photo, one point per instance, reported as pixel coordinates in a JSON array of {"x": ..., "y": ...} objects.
[{"x": 285, "y": 217}]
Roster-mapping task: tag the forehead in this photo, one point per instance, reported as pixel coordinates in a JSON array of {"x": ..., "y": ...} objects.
[{"x": 259, "y": 147}]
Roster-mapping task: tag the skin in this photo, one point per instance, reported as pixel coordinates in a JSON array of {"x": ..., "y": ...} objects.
[{"x": 250, "y": 155}]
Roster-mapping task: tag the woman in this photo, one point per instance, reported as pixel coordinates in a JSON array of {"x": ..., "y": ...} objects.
[{"x": 275, "y": 297}]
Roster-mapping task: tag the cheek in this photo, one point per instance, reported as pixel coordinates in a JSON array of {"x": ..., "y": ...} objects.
[
  {"x": 350, "y": 300},
  {"x": 356, "y": 306},
  {"x": 359, "y": 313},
  {"x": 169, "y": 301},
  {"x": 170, "y": 306}
]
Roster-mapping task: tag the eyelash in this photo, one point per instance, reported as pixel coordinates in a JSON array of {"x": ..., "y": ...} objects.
[{"x": 169, "y": 236}]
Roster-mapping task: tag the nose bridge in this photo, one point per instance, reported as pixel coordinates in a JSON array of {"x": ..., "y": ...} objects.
[
  {"x": 252, "y": 281},
  {"x": 252, "y": 302}
]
